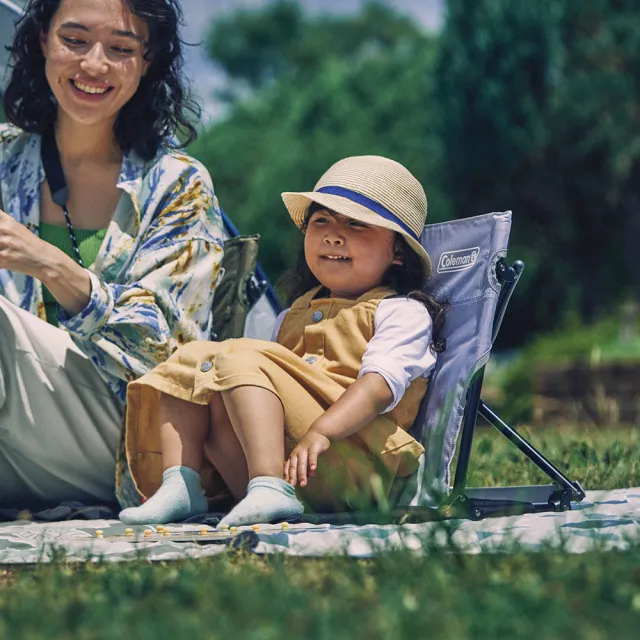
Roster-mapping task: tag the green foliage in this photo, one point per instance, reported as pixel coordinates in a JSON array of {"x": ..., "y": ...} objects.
[
  {"x": 255, "y": 46},
  {"x": 372, "y": 96},
  {"x": 539, "y": 115},
  {"x": 258, "y": 48},
  {"x": 523, "y": 106},
  {"x": 400, "y": 595},
  {"x": 576, "y": 341}
]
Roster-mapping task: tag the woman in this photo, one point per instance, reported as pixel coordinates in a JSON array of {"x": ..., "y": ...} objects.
[{"x": 103, "y": 280}]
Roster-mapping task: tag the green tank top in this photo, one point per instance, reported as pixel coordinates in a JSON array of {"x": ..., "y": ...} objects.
[{"x": 89, "y": 241}]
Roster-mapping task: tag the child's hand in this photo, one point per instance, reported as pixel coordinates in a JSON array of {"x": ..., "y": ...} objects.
[{"x": 305, "y": 455}]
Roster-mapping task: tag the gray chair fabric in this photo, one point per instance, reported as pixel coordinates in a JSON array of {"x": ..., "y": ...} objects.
[{"x": 464, "y": 255}]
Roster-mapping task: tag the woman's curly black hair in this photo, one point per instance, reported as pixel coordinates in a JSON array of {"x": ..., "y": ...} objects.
[
  {"x": 407, "y": 279},
  {"x": 158, "y": 111}
]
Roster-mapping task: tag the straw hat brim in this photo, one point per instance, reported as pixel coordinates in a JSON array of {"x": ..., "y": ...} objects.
[{"x": 298, "y": 203}]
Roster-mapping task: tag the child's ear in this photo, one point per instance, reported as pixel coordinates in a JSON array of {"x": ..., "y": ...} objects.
[{"x": 398, "y": 254}]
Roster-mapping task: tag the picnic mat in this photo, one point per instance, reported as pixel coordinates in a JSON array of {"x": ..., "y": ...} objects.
[{"x": 604, "y": 520}]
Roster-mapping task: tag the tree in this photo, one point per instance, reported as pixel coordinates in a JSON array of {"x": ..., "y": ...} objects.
[
  {"x": 538, "y": 113},
  {"x": 257, "y": 48},
  {"x": 369, "y": 94}
]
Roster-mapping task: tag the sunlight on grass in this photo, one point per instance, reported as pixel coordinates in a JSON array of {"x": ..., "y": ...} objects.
[
  {"x": 597, "y": 458},
  {"x": 442, "y": 593}
]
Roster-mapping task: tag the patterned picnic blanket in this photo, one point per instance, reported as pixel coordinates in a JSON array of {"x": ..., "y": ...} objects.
[{"x": 604, "y": 520}]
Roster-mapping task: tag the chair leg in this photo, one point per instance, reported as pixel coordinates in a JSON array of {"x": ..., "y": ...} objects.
[{"x": 559, "y": 479}]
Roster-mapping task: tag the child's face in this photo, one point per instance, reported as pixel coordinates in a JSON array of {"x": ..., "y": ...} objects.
[{"x": 348, "y": 257}]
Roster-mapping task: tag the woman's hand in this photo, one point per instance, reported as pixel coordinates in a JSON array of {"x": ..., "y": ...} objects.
[
  {"x": 305, "y": 457},
  {"x": 24, "y": 252},
  {"x": 20, "y": 249}
]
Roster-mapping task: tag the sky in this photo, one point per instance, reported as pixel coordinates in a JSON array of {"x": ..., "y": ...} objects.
[{"x": 205, "y": 78}]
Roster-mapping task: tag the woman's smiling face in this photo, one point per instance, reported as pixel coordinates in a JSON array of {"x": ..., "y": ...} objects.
[
  {"x": 94, "y": 53},
  {"x": 348, "y": 257}
]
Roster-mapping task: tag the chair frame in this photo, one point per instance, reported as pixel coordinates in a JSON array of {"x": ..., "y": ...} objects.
[{"x": 480, "y": 502}]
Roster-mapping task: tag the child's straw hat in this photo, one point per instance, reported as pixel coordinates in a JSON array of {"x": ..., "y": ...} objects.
[{"x": 371, "y": 189}]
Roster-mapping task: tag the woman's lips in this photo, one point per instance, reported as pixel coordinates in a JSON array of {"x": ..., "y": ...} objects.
[{"x": 92, "y": 93}]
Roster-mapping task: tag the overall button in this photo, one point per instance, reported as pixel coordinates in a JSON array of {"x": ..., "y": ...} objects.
[
  {"x": 206, "y": 366},
  {"x": 317, "y": 316},
  {"x": 310, "y": 359}
]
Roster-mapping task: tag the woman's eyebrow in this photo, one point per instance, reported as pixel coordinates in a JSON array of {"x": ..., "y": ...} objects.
[
  {"x": 75, "y": 25},
  {"x": 127, "y": 34},
  {"x": 115, "y": 32}
]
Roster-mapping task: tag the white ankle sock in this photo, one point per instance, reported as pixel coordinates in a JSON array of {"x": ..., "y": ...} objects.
[
  {"x": 179, "y": 497},
  {"x": 268, "y": 499}
]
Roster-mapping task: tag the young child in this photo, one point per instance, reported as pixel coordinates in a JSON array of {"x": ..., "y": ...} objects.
[{"x": 326, "y": 406}]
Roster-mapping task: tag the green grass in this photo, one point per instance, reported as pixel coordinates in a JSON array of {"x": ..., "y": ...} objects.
[
  {"x": 397, "y": 595},
  {"x": 544, "y": 595},
  {"x": 597, "y": 458}
]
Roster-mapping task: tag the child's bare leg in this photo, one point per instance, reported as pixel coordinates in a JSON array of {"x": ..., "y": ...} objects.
[
  {"x": 183, "y": 429},
  {"x": 224, "y": 450},
  {"x": 257, "y": 417}
]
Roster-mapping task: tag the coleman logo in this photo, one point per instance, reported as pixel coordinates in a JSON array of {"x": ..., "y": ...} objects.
[{"x": 458, "y": 260}]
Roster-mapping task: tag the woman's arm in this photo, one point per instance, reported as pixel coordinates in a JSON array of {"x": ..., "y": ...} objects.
[
  {"x": 160, "y": 283},
  {"x": 24, "y": 252},
  {"x": 165, "y": 297}
]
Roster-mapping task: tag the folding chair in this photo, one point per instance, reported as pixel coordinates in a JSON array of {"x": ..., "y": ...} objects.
[
  {"x": 471, "y": 274},
  {"x": 245, "y": 303}
]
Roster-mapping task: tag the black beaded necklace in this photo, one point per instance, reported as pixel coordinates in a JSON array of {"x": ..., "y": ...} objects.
[{"x": 57, "y": 183}]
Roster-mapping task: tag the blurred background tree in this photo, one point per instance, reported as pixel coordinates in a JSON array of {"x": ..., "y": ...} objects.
[
  {"x": 306, "y": 91},
  {"x": 539, "y": 114},
  {"x": 526, "y": 106}
]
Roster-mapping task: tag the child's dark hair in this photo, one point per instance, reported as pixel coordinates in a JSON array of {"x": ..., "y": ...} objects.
[
  {"x": 160, "y": 108},
  {"x": 408, "y": 279}
]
